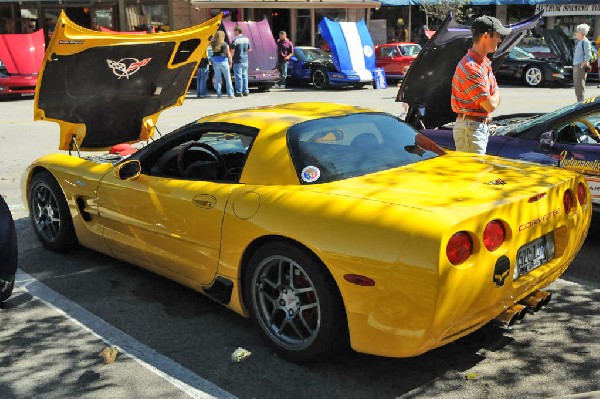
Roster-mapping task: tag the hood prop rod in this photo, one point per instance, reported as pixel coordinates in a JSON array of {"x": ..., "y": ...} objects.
[{"x": 74, "y": 142}]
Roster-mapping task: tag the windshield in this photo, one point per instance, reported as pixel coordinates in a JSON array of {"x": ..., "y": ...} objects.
[
  {"x": 520, "y": 54},
  {"x": 309, "y": 54},
  {"x": 337, "y": 148},
  {"x": 410, "y": 49}
]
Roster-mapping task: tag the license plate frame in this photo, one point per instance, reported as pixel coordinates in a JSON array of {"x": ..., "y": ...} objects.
[{"x": 534, "y": 254}]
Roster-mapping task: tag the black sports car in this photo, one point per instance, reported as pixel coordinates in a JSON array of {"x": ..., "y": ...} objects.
[
  {"x": 523, "y": 66},
  {"x": 8, "y": 252}
]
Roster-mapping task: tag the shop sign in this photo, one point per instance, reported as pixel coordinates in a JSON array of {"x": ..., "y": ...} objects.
[{"x": 553, "y": 10}]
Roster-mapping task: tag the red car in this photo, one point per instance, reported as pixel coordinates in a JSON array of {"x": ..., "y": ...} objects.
[
  {"x": 396, "y": 58},
  {"x": 21, "y": 57}
]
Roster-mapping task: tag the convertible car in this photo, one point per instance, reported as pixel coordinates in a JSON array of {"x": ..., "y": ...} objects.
[
  {"x": 8, "y": 252},
  {"x": 20, "y": 60},
  {"x": 327, "y": 224}
]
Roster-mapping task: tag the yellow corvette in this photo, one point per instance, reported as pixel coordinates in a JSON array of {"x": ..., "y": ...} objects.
[{"x": 328, "y": 224}]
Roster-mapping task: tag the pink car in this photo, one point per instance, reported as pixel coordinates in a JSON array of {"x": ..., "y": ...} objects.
[
  {"x": 396, "y": 58},
  {"x": 21, "y": 57}
]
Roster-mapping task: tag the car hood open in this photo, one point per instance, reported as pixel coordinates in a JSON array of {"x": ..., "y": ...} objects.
[
  {"x": 263, "y": 56},
  {"x": 109, "y": 88},
  {"x": 426, "y": 87},
  {"x": 22, "y": 54},
  {"x": 351, "y": 46},
  {"x": 559, "y": 44}
]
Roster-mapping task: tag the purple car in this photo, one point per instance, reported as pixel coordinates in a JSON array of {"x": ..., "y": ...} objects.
[{"x": 568, "y": 137}]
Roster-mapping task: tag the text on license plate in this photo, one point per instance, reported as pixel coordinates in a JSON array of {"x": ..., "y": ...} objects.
[{"x": 534, "y": 254}]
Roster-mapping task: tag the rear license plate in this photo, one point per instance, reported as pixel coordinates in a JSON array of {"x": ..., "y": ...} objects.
[{"x": 534, "y": 254}]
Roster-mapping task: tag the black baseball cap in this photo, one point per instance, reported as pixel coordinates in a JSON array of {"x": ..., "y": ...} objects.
[{"x": 489, "y": 24}]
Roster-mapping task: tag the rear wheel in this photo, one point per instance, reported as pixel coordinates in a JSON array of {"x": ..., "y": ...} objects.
[
  {"x": 533, "y": 76},
  {"x": 320, "y": 79},
  {"x": 294, "y": 302},
  {"x": 50, "y": 214}
]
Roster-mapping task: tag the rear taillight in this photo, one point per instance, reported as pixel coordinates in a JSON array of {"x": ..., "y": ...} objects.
[
  {"x": 493, "y": 235},
  {"x": 581, "y": 193},
  {"x": 568, "y": 201},
  {"x": 459, "y": 248}
]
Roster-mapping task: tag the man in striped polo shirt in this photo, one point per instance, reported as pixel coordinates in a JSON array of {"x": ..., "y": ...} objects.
[{"x": 475, "y": 93}]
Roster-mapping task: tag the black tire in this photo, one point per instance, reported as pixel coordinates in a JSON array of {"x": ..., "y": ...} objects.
[
  {"x": 9, "y": 252},
  {"x": 264, "y": 87},
  {"x": 533, "y": 76},
  {"x": 6, "y": 289},
  {"x": 320, "y": 79},
  {"x": 301, "y": 318},
  {"x": 50, "y": 214}
]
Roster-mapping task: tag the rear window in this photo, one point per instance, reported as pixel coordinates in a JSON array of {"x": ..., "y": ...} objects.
[{"x": 337, "y": 148}]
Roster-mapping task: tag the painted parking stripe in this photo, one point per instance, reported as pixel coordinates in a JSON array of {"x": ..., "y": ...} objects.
[{"x": 179, "y": 376}]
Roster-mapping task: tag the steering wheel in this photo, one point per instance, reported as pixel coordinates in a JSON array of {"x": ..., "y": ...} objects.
[
  {"x": 216, "y": 158},
  {"x": 593, "y": 129}
]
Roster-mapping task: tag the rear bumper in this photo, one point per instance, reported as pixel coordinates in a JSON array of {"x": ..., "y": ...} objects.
[{"x": 18, "y": 85}]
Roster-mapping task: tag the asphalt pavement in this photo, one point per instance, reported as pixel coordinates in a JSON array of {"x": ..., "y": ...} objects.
[{"x": 175, "y": 343}]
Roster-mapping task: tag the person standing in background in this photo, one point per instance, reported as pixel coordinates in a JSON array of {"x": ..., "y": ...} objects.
[
  {"x": 202, "y": 74},
  {"x": 285, "y": 49},
  {"x": 240, "y": 47},
  {"x": 221, "y": 63},
  {"x": 581, "y": 59},
  {"x": 475, "y": 93}
]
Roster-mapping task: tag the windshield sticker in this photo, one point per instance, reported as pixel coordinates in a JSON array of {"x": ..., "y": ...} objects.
[
  {"x": 310, "y": 174},
  {"x": 126, "y": 67}
]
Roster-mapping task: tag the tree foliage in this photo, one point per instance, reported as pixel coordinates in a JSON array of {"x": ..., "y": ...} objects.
[{"x": 439, "y": 10}]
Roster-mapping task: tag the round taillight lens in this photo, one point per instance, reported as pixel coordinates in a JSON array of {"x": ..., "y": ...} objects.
[
  {"x": 459, "y": 248},
  {"x": 493, "y": 235},
  {"x": 568, "y": 201},
  {"x": 581, "y": 193}
]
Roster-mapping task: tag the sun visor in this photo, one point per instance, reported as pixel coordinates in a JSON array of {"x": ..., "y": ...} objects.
[
  {"x": 351, "y": 45},
  {"x": 109, "y": 88}
]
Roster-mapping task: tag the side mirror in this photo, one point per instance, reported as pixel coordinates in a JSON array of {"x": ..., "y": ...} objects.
[
  {"x": 128, "y": 170},
  {"x": 546, "y": 140}
]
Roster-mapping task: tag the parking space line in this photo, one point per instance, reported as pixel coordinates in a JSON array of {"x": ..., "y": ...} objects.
[{"x": 179, "y": 376}]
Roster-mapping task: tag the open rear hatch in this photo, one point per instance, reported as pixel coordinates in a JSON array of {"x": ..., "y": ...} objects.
[{"x": 109, "y": 88}]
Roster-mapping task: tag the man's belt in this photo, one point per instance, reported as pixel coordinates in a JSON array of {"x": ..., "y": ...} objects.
[{"x": 476, "y": 118}]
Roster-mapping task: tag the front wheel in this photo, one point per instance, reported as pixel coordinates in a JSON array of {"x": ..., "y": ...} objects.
[
  {"x": 294, "y": 302},
  {"x": 50, "y": 214},
  {"x": 320, "y": 79},
  {"x": 534, "y": 76}
]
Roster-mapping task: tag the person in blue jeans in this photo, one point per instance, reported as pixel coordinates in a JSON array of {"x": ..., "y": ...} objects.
[
  {"x": 240, "y": 48},
  {"x": 202, "y": 74},
  {"x": 285, "y": 49},
  {"x": 221, "y": 63}
]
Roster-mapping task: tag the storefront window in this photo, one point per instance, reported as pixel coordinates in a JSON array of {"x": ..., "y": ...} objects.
[
  {"x": 303, "y": 27},
  {"x": 148, "y": 17},
  {"x": 103, "y": 17}
]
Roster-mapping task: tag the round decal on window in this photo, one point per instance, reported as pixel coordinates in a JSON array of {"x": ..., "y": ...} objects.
[
  {"x": 310, "y": 174},
  {"x": 367, "y": 51}
]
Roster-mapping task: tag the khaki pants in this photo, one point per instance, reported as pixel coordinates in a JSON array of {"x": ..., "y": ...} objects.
[{"x": 579, "y": 77}]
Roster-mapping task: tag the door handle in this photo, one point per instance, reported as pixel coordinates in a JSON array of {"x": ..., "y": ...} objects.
[{"x": 206, "y": 201}]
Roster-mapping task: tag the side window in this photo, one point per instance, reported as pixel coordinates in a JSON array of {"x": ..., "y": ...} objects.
[
  {"x": 204, "y": 155},
  {"x": 581, "y": 131}
]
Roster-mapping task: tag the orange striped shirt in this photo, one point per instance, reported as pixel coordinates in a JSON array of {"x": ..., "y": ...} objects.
[{"x": 473, "y": 82}]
